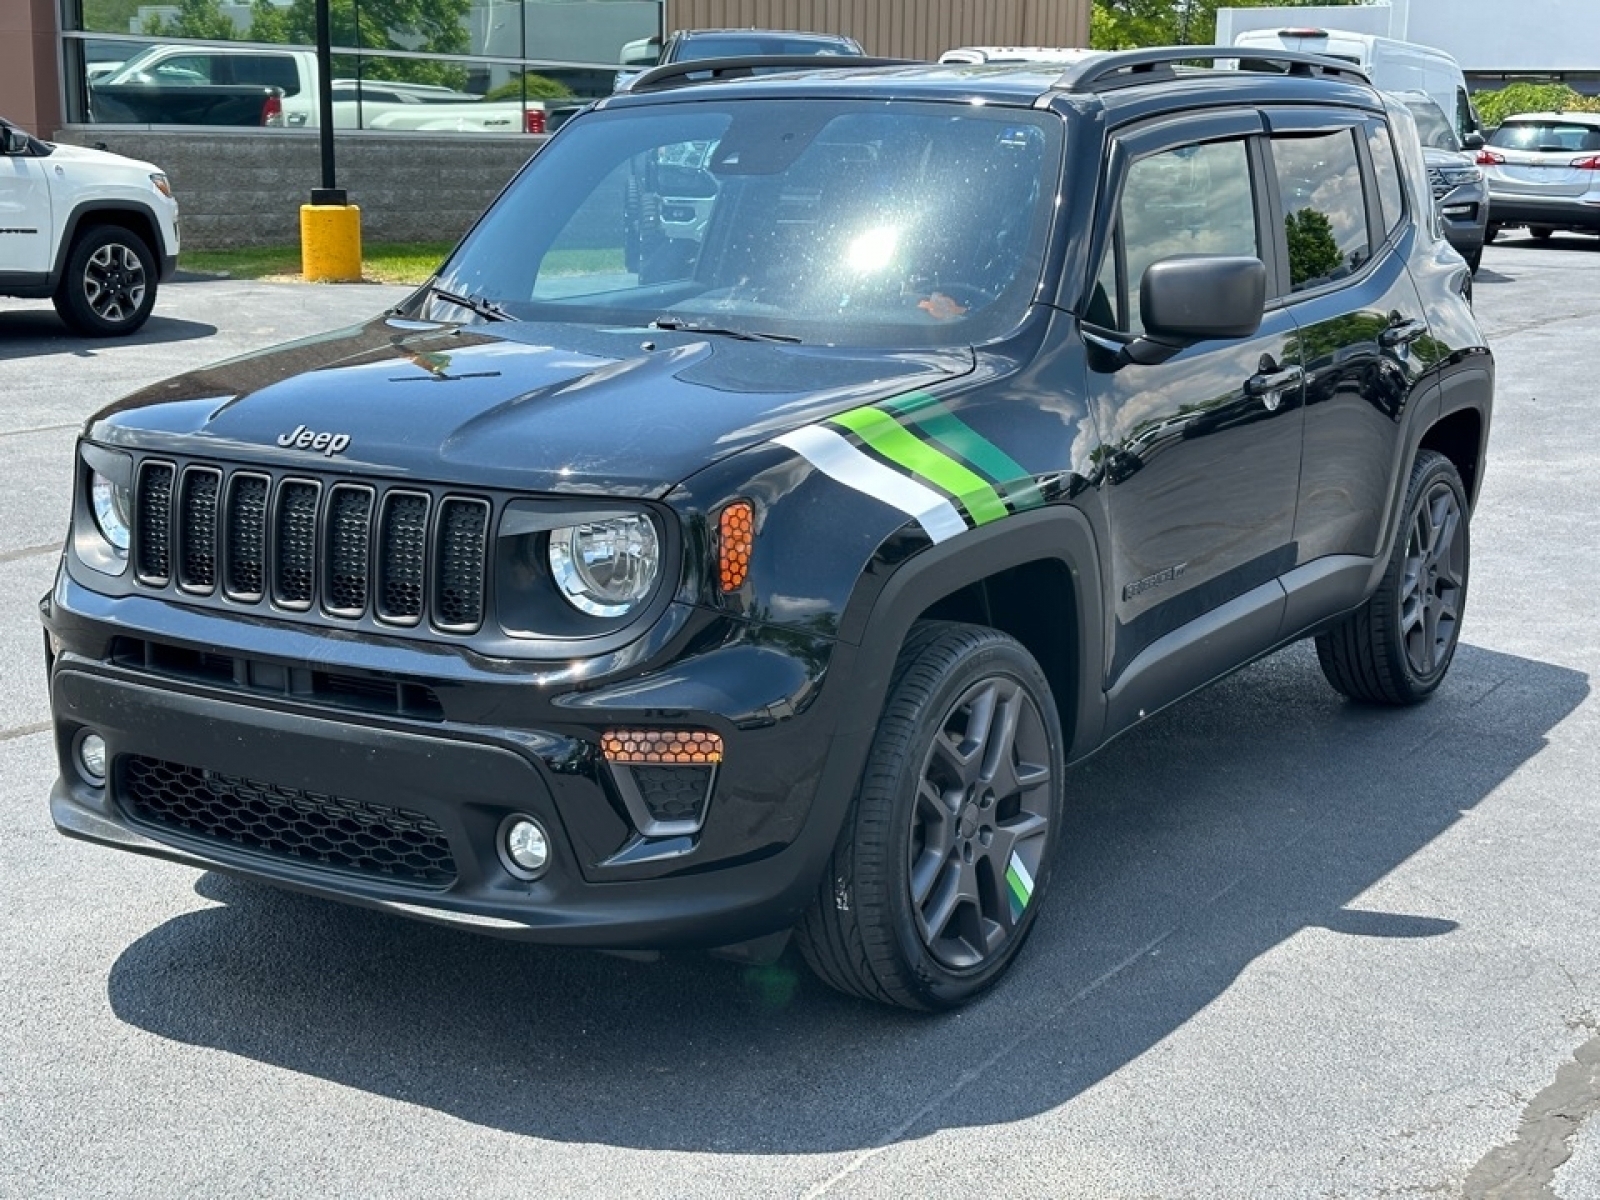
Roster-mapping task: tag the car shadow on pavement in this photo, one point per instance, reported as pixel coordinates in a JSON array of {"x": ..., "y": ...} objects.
[
  {"x": 24, "y": 334},
  {"x": 1195, "y": 844}
]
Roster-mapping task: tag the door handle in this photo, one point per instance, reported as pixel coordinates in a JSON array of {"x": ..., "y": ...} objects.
[
  {"x": 1402, "y": 333},
  {"x": 1269, "y": 386}
]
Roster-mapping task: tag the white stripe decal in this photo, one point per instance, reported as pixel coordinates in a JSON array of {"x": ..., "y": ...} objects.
[
  {"x": 836, "y": 458},
  {"x": 1022, "y": 872}
]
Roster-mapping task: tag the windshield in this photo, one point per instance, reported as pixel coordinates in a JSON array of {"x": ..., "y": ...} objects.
[
  {"x": 1552, "y": 137},
  {"x": 838, "y": 222},
  {"x": 1433, "y": 129}
]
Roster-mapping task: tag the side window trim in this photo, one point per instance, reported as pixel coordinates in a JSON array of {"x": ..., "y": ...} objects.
[
  {"x": 1312, "y": 122},
  {"x": 1378, "y": 239},
  {"x": 1124, "y": 147}
]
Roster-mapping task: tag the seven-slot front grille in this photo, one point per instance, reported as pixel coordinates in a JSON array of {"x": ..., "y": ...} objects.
[{"x": 400, "y": 555}]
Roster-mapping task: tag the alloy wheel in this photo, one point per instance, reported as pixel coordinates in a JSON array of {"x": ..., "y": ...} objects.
[
  {"x": 979, "y": 826},
  {"x": 114, "y": 282},
  {"x": 1433, "y": 580}
]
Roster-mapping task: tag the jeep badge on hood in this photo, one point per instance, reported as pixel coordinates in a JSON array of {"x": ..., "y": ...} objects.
[{"x": 301, "y": 438}]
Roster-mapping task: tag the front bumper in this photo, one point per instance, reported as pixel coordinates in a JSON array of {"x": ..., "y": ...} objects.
[
  {"x": 774, "y": 811},
  {"x": 1464, "y": 218}
]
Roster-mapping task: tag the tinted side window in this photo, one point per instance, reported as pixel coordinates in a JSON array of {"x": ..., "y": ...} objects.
[
  {"x": 1191, "y": 200},
  {"x": 1324, "y": 207},
  {"x": 1387, "y": 169}
]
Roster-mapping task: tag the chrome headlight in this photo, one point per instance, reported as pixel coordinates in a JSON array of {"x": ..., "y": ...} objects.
[
  {"x": 112, "y": 503},
  {"x": 606, "y": 568},
  {"x": 1456, "y": 176}
]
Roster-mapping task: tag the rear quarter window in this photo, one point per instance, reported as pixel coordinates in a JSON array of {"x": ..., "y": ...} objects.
[{"x": 1324, "y": 206}]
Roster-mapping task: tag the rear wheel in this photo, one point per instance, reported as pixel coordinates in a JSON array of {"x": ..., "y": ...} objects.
[
  {"x": 109, "y": 286},
  {"x": 1540, "y": 233},
  {"x": 1397, "y": 647},
  {"x": 938, "y": 873}
]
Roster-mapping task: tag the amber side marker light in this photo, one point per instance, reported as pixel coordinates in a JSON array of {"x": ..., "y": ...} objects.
[
  {"x": 736, "y": 536},
  {"x": 662, "y": 747}
]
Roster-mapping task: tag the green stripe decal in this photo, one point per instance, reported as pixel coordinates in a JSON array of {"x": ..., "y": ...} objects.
[
  {"x": 1020, "y": 885},
  {"x": 890, "y": 439},
  {"x": 929, "y": 414}
]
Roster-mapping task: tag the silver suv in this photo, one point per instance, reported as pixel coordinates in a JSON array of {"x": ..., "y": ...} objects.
[{"x": 1544, "y": 172}]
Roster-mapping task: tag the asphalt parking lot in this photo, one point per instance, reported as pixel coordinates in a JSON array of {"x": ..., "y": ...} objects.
[{"x": 1295, "y": 948}]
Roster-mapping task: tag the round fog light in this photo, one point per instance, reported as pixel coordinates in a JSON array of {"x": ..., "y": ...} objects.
[
  {"x": 92, "y": 758},
  {"x": 524, "y": 847}
]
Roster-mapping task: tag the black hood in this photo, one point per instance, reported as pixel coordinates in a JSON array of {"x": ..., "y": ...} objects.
[{"x": 534, "y": 407}]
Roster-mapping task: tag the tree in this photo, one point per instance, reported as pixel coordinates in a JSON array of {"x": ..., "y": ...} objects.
[
  {"x": 269, "y": 22},
  {"x": 1312, "y": 251},
  {"x": 1494, "y": 107},
  {"x": 1126, "y": 24},
  {"x": 195, "y": 19},
  {"x": 437, "y": 26}
]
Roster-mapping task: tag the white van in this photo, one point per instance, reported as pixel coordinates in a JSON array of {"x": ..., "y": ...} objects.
[
  {"x": 975, "y": 55},
  {"x": 1393, "y": 66}
]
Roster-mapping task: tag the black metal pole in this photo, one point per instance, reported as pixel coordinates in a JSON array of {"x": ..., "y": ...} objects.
[{"x": 328, "y": 193}]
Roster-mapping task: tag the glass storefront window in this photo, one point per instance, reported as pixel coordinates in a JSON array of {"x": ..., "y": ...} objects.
[{"x": 425, "y": 65}]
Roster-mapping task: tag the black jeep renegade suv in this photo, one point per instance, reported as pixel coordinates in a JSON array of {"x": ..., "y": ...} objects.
[{"x": 777, "y": 491}]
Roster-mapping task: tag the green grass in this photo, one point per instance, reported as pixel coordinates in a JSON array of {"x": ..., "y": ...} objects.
[{"x": 395, "y": 262}]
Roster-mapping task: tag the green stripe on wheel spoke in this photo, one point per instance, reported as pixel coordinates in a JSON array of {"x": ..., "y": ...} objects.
[{"x": 890, "y": 439}]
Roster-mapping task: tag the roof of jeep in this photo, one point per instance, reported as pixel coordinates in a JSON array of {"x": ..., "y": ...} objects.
[{"x": 1019, "y": 84}]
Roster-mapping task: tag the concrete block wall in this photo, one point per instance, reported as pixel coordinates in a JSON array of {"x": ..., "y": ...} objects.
[{"x": 245, "y": 187}]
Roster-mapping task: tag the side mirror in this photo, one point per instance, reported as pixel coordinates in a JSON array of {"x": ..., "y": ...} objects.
[
  {"x": 1196, "y": 298},
  {"x": 1472, "y": 141}
]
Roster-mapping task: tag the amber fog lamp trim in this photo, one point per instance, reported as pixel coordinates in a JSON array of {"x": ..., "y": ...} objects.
[
  {"x": 736, "y": 535},
  {"x": 665, "y": 747}
]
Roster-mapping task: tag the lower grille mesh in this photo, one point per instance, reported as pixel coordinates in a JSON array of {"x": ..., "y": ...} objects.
[{"x": 311, "y": 827}]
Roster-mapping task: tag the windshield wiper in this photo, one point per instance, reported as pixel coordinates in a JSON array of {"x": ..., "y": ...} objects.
[
  {"x": 674, "y": 325},
  {"x": 486, "y": 309}
]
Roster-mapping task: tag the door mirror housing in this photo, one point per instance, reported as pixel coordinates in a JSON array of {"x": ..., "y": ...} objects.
[
  {"x": 1195, "y": 298},
  {"x": 1472, "y": 141},
  {"x": 13, "y": 140}
]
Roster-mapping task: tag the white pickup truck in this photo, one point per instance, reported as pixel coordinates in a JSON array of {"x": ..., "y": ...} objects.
[
  {"x": 94, "y": 232},
  {"x": 159, "y": 84}
]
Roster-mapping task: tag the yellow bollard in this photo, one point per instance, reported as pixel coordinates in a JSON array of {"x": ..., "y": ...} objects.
[{"x": 330, "y": 243}]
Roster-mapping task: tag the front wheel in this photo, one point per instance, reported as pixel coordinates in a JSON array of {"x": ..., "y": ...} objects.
[
  {"x": 109, "y": 286},
  {"x": 937, "y": 876},
  {"x": 1540, "y": 233},
  {"x": 1397, "y": 647}
]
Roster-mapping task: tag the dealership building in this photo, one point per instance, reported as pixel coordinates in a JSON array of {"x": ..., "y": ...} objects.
[{"x": 242, "y": 184}]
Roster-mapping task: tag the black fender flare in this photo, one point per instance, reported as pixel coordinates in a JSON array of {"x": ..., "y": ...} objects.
[
  {"x": 878, "y": 624},
  {"x": 89, "y": 208}
]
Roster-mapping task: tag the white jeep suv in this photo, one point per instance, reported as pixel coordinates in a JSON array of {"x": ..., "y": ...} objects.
[{"x": 95, "y": 232}]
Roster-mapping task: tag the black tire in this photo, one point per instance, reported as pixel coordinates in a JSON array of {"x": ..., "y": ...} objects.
[
  {"x": 109, "y": 285},
  {"x": 1396, "y": 648},
  {"x": 945, "y": 855},
  {"x": 1540, "y": 233},
  {"x": 1491, "y": 233},
  {"x": 1475, "y": 260}
]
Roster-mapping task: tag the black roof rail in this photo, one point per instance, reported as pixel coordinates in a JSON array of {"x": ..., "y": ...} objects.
[
  {"x": 691, "y": 71},
  {"x": 1128, "y": 68}
]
